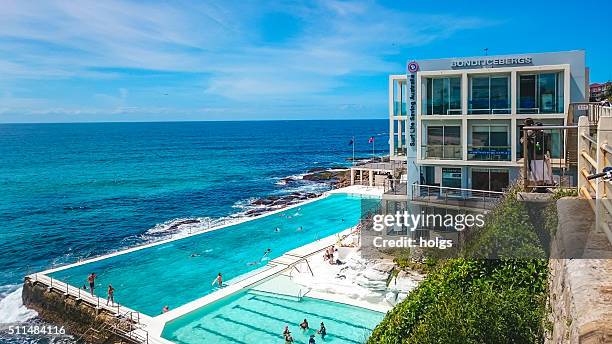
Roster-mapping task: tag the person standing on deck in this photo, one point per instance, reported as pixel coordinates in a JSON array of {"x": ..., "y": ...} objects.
[
  {"x": 92, "y": 282},
  {"x": 218, "y": 280},
  {"x": 111, "y": 295}
]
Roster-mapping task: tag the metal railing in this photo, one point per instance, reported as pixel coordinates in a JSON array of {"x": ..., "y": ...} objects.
[
  {"x": 448, "y": 152},
  {"x": 592, "y": 111},
  {"x": 130, "y": 318},
  {"x": 456, "y": 197}
]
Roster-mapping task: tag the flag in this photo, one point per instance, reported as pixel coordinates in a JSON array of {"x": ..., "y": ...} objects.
[
  {"x": 371, "y": 140},
  {"x": 351, "y": 142}
]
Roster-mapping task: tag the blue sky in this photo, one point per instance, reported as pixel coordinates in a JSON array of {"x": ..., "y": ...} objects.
[{"x": 78, "y": 61}]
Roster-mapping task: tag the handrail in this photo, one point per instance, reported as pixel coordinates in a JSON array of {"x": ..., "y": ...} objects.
[
  {"x": 588, "y": 159},
  {"x": 595, "y": 154}
]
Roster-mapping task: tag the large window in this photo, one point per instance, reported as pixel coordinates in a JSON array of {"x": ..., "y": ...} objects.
[
  {"x": 400, "y": 97},
  {"x": 442, "y": 96},
  {"x": 489, "y": 94},
  {"x": 489, "y": 143},
  {"x": 540, "y": 93},
  {"x": 443, "y": 142},
  {"x": 489, "y": 179},
  {"x": 399, "y": 137}
]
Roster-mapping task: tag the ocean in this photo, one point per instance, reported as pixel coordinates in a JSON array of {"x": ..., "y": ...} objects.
[{"x": 72, "y": 191}]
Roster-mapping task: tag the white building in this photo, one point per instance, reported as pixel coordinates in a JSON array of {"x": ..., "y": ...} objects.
[{"x": 457, "y": 120}]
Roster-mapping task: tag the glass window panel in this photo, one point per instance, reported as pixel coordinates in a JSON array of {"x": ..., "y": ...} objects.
[
  {"x": 479, "y": 102},
  {"x": 480, "y": 179},
  {"x": 452, "y": 135},
  {"x": 451, "y": 177},
  {"x": 500, "y": 100},
  {"x": 499, "y": 180},
  {"x": 429, "y": 99},
  {"x": 438, "y": 97},
  {"x": 480, "y": 135},
  {"x": 434, "y": 135},
  {"x": 455, "y": 95},
  {"x": 499, "y": 136},
  {"x": 548, "y": 92},
  {"x": 527, "y": 94}
]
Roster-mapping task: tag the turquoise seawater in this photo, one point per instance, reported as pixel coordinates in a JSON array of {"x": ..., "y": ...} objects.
[
  {"x": 180, "y": 271},
  {"x": 252, "y": 318}
]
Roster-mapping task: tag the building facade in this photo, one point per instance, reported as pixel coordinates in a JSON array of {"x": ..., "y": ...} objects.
[
  {"x": 597, "y": 91},
  {"x": 457, "y": 121}
]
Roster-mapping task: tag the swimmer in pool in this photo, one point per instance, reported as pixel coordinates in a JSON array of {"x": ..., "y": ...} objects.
[
  {"x": 277, "y": 229},
  {"x": 299, "y": 229},
  {"x": 265, "y": 255}
]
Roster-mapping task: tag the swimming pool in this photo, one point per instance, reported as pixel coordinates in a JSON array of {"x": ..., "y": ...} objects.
[
  {"x": 181, "y": 271},
  {"x": 254, "y": 317}
]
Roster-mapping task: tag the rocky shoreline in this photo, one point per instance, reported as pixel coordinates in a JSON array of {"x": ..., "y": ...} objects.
[{"x": 335, "y": 176}]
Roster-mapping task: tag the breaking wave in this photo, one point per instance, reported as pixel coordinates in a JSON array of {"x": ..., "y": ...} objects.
[{"x": 12, "y": 310}]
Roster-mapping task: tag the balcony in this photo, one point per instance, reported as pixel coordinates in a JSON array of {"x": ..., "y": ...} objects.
[
  {"x": 442, "y": 152},
  {"x": 489, "y": 153}
]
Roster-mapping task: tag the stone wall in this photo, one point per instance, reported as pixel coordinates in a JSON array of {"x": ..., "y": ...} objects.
[
  {"x": 580, "y": 288},
  {"x": 76, "y": 316}
]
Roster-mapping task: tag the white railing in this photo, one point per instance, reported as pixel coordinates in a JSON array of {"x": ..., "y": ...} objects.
[
  {"x": 594, "y": 154},
  {"x": 122, "y": 313}
]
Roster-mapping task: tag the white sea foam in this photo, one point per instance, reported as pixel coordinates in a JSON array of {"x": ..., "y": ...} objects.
[
  {"x": 182, "y": 227},
  {"x": 12, "y": 309}
]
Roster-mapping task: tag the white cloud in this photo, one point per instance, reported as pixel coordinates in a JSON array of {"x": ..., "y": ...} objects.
[{"x": 219, "y": 40}]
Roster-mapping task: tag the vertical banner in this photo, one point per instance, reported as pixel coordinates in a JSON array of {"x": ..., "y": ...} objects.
[{"x": 411, "y": 134}]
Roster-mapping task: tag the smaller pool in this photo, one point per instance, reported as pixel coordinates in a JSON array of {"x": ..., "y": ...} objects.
[{"x": 254, "y": 316}]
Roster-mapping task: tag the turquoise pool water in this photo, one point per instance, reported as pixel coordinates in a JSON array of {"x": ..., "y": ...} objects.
[
  {"x": 169, "y": 274},
  {"x": 248, "y": 318}
]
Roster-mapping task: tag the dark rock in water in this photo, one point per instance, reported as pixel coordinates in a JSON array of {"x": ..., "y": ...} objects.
[
  {"x": 262, "y": 201},
  {"x": 319, "y": 176},
  {"x": 280, "y": 202},
  {"x": 288, "y": 180},
  {"x": 338, "y": 167},
  {"x": 176, "y": 225},
  {"x": 316, "y": 169}
]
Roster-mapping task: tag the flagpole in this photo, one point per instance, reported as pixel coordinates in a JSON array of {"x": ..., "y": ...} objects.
[
  {"x": 373, "y": 140},
  {"x": 353, "y": 150}
]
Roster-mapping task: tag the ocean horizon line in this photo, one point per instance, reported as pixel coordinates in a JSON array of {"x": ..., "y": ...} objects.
[{"x": 200, "y": 121}]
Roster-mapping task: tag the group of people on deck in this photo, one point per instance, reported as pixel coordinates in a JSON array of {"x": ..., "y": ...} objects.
[
  {"x": 110, "y": 291},
  {"x": 328, "y": 256},
  {"x": 305, "y": 327}
]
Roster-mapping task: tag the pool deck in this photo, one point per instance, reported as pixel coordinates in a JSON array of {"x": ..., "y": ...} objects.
[{"x": 152, "y": 327}]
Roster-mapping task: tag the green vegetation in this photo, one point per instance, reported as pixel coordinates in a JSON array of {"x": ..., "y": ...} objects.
[{"x": 477, "y": 300}]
